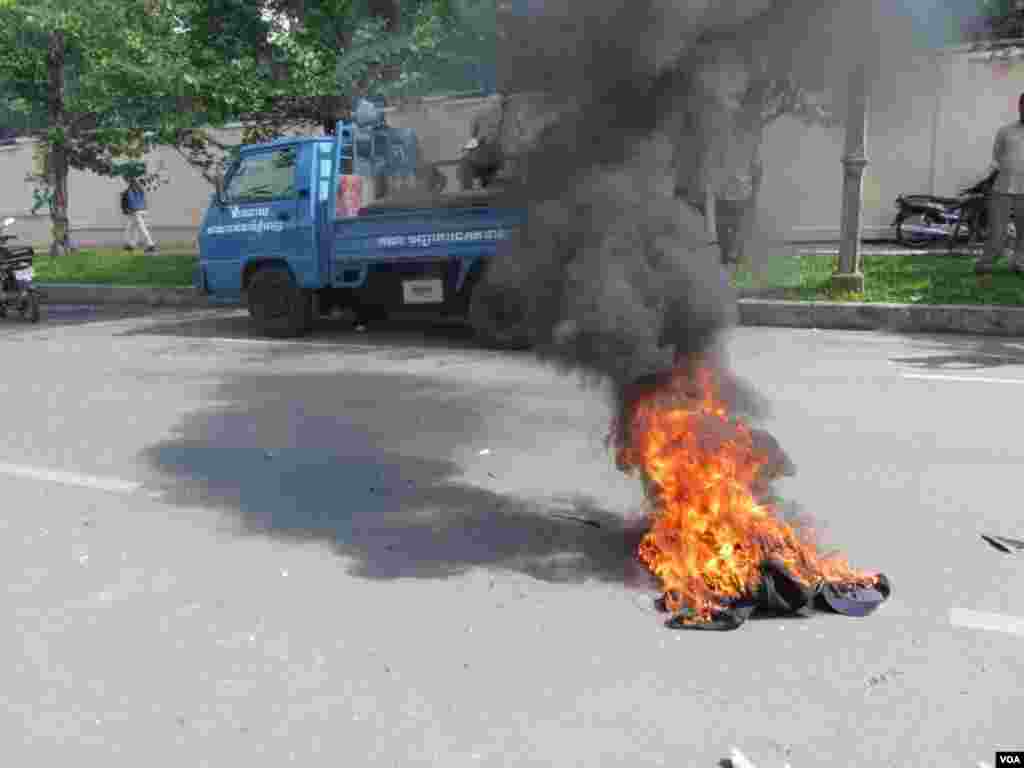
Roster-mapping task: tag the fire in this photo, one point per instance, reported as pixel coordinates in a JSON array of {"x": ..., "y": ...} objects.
[{"x": 710, "y": 532}]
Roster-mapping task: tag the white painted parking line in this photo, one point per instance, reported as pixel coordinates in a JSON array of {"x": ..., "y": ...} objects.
[
  {"x": 992, "y": 622},
  {"x": 286, "y": 342},
  {"x": 289, "y": 343},
  {"x": 110, "y": 484},
  {"x": 738, "y": 760},
  {"x": 974, "y": 379}
]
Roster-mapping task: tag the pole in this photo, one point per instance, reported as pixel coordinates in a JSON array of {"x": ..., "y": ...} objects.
[
  {"x": 848, "y": 277},
  {"x": 940, "y": 71}
]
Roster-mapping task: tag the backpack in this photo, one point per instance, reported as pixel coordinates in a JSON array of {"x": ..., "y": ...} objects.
[{"x": 124, "y": 203}]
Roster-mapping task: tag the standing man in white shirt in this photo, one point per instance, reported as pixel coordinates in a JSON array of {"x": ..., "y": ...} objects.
[{"x": 1007, "y": 195}]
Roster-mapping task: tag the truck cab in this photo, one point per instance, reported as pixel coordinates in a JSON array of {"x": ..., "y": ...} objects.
[{"x": 360, "y": 220}]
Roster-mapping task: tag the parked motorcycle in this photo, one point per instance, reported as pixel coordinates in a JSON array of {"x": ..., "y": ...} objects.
[
  {"x": 930, "y": 219},
  {"x": 17, "y": 292}
]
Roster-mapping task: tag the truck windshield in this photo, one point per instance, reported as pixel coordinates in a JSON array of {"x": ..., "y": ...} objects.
[{"x": 262, "y": 176}]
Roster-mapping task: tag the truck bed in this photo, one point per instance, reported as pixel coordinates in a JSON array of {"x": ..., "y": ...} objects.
[
  {"x": 419, "y": 200},
  {"x": 402, "y": 241}
]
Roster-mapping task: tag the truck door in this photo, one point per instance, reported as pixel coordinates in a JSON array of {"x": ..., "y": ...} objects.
[
  {"x": 301, "y": 239},
  {"x": 261, "y": 207},
  {"x": 323, "y": 230}
]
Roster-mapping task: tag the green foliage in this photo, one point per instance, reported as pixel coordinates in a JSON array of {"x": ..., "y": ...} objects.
[
  {"x": 785, "y": 96},
  {"x": 173, "y": 267},
  {"x": 145, "y": 72},
  {"x": 996, "y": 20},
  {"x": 112, "y": 51},
  {"x": 934, "y": 278},
  {"x": 278, "y": 65}
]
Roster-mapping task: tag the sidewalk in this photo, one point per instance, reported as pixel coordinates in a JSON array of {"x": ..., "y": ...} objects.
[
  {"x": 84, "y": 293},
  {"x": 895, "y": 318},
  {"x": 876, "y": 249}
]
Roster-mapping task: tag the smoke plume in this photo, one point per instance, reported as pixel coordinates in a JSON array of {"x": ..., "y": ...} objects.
[{"x": 616, "y": 278}]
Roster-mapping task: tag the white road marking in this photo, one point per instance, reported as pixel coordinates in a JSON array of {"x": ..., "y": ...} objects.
[
  {"x": 974, "y": 379},
  {"x": 993, "y": 622},
  {"x": 739, "y": 760},
  {"x": 340, "y": 346},
  {"x": 110, "y": 484}
]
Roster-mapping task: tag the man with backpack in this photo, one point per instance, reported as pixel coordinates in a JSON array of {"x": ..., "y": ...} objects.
[{"x": 133, "y": 205}]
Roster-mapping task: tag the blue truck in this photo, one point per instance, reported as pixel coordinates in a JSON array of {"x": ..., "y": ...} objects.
[{"x": 303, "y": 225}]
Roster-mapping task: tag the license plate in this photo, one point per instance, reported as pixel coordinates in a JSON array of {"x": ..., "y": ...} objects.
[
  {"x": 24, "y": 274},
  {"x": 422, "y": 291}
]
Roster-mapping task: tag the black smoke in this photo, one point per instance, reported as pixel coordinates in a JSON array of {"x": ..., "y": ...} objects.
[{"x": 612, "y": 277}]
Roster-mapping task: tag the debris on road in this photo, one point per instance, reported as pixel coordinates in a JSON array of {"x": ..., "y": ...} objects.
[
  {"x": 485, "y": 452},
  {"x": 1004, "y": 544},
  {"x": 855, "y": 599},
  {"x": 738, "y": 760},
  {"x": 882, "y": 678},
  {"x": 576, "y": 519}
]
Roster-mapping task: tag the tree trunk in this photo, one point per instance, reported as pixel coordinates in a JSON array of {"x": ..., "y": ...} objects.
[
  {"x": 58, "y": 164},
  {"x": 390, "y": 11}
]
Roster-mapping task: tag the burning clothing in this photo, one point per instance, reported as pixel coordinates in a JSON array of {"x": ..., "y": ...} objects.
[{"x": 718, "y": 546}]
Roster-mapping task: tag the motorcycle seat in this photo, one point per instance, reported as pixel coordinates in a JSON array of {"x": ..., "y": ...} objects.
[
  {"x": 931, "y": 200},
  {"x": 17, "y": 254}
]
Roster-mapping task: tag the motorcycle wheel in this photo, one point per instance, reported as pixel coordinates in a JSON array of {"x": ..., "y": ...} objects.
[
  {"x": 908, "y": 230},
  {"x": 32, "y": 312},
  {"x": 963, "y": 235}
]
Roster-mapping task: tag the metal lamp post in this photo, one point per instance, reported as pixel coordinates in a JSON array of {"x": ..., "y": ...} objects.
[{"x": 848, "y": 277}]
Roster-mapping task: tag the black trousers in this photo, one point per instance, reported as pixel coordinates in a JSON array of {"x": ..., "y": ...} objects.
[{"x": 733, "y": 222}]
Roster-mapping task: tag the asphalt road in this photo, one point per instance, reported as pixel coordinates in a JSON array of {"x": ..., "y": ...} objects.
[{"x": 359, "y": 550}]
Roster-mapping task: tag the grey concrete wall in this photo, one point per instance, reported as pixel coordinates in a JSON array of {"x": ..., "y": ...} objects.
[
  {"x": 930, "y": 129},
  {"x": 175, "y": 208},
  {"x": 93, "y": 201}
]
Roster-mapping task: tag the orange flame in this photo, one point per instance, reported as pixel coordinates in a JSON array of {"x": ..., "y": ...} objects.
[{"x": 709, "y": 533}]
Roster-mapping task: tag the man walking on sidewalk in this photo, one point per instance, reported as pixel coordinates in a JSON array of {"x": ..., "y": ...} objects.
[
  {"x": 133, "y": 205},
  {"x": 1007, "y": 195}
]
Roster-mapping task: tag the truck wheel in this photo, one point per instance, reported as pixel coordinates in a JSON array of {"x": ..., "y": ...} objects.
[
  {"x": 497, "y": 320},
  {"x": 277, "y": 306}
]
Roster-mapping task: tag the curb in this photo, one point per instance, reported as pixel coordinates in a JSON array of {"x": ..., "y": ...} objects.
[
  {"x": 848, "y": 316},
  {"x": 980, "y": 320},
  {"x": 70, "y": 293}
]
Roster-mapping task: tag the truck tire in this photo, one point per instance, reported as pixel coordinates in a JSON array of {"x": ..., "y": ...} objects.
[
  {"x": 496, "y": 319},
  {"x": 277, "y": 306}
]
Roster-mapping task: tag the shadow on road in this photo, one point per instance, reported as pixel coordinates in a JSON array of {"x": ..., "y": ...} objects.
[
  {"x": 70, "y": 314},
  {"x": 232, "y": 323},
  {"x": 367, "y": 463},
  {"x": 953, "y": 353}
]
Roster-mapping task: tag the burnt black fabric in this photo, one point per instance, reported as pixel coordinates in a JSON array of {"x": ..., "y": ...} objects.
[
  {"x": 721, "y": 621},
  {"x": 780, "y": 594},
  {"x": 852, "y": 600}
]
